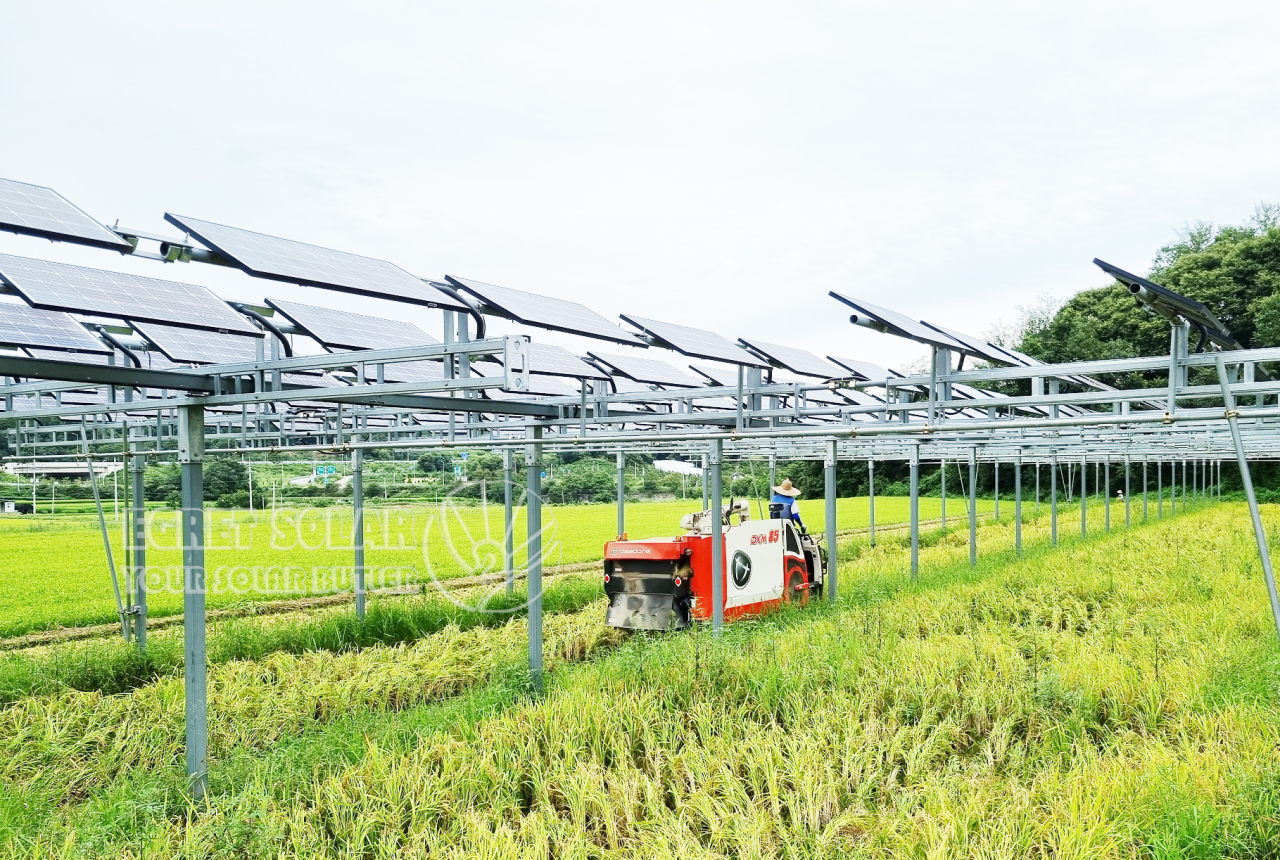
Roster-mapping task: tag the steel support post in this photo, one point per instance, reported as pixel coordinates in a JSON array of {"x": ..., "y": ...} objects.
[
  {"x": 138, "y": 542},
  {"x": 1053, "y": 499},
  {"x": 533, "y": 518},
  {"x": 832, "y": 455},
  {"x": 357, "y": 527},
  {"x": 1017, "y": 504},
  {"x": 508, "y": 521},
  {"x": 1106, "y": 494},
  {"x": 973, "y": 507},
  {"x": 995, "y": 479},
  {"x": 1144, "y": 489},
  {"x": 191, "y": 458},
  {"x": 1127, "y": 518},
  {"x": 915, "y": 512},
  {"x": 706, "y": 505},
  {"x": 1246, "y": 479},
  {"x": 943, "y": 474},
  {"x": 871, "y": 498},
  {"x": 1159, "y": 490},
  {"x": 717, "y": 539},
  {"x": 622, "y": 496},
  {"x": 773, "y": 472}
]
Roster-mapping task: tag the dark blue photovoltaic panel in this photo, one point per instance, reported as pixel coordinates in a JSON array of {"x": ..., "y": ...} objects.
[
  {"x": 347, "y": 330},
  {"x": 544, "y": 311},
  {"x": 794, "y": 360},
  {"x": 24, "y": 326},
  {"x": 695, "y": 342},
  {"x": 297, "y": 262},
  {"x": 199, "y": 347},
  {"x": 900, "y": 325},
  {"x": 39, "y": 211},
  {"x": 973, "y": 345},
  {"x": 60, "y": 287}
]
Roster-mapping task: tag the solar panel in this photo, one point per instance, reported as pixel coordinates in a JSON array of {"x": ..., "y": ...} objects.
[
  {"x": 795, "y": 360},
  {"x": 973, "y": 345},
  {"x": 39, "y": 211},
  {"x": 199, "y": 347},
  {"x": 346, "y": 330},
  {"x": 864, "y": 370},
  {"x": 899, "y": 325},
  {"x": 60, "y": 287},
  {"x": 547, "y": 359},
  {"x": 544, "y": 311},
  {"x": 647, "y": 370},
  {"x": 716, "y": 375},
  {"x": 24, "y": 326},
  {"x": 297, "y": 262},
  {"x": 695, "y": 342}
]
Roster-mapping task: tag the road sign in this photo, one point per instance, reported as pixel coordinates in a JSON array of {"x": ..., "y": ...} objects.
[
  {"x": 326, "y": 470},
  {"x": 465, "y": 454}
]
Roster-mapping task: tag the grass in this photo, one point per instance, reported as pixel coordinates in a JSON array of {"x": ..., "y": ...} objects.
[
  {"x": 1116, "y": 697},
  {"x": 53, "y": 570}
]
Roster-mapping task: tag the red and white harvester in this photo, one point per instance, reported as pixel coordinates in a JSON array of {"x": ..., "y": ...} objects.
[{"x": 665, "y": 583}]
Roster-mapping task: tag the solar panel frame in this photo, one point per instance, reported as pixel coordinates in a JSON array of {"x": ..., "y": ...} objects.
[
  {"x": 294, "y": 262},
  {"x": 798, "y": 361},
  {"x": 194, "y": 346},
  {"x": 866, "y": 370},
  {"x": 716, "y": 375},
  {"x": 34, "y": 210},
  {"x": 693, "y": 342},
  {"x": 902, "y": 326},
  {"x": 63, "y": 287},
  {"x": 548, "y": 359},
  {"x": 349, "y": 330},
  {"x": 545, "y": 311},
  {"x": 974, "y": 346},
  {"x": 649, "y": 370},
  {"x": 21, "y": 325}
]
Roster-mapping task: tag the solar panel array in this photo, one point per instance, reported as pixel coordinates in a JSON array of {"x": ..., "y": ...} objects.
[
  {"x": 58, "y": 286},
  {"x": 544, "y": 311},
  {"x": 864, "y": 370},
  {"x": 716, "y": 375},
  {"x": 24, "y": 326},
  {"x": 39, "y": 211},
  {"x": 647, "y": 370},
  {"x": 694, "y": 342},
  {"x": 297, "y": 262},
  {"x": 900, "y": 325},
  {"x": 199, "y": 347},
  {"x": 347, "y": 330},
  {"x": 974, "y": 345},
  {"x": 795, "y": 360}
]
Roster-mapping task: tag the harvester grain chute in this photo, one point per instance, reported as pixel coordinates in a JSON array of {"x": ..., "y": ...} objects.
[{"x": 665, "y": 583}]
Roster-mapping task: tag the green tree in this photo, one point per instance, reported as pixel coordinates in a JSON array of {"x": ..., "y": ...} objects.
[{"x": 223, "y": 476}]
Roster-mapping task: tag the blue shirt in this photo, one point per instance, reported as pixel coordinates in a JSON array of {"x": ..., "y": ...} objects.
[{"x": 789, "y": 511}]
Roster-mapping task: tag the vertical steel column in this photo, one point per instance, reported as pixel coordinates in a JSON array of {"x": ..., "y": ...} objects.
[
  {"x": 533, "y": 518},
  {"x": 622, "y": 496},
  {"x": 832, "y": 455},
  {"x": 1145, "y": 485},
  {"x": 871, "y": 497},
  {"x": 717, "y": 539},
  {"x": 357, "y": 526},
  {"x": 973, "y": 507},
  {"x": 1084, "y": 496},
  {"x": 1017, "y": 503},
  {"x": 1246, "y": 479},
  {"x": 1159, "y": 490},
  {"x": 705, "y": 497},
  {"x": 191, "y": 458},
  {"x": 995, "y": 478},
  {"x": 1053, "y": 499},
  {"x": 508, "y": 521},
  {"x": 773, "y": 471},
  {"x": 915, "y": 512},
  {"x": 1127, "y": 519},
  {"x": 138, "y": 542}
]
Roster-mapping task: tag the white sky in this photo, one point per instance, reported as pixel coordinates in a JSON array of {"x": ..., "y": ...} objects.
[{"x": 722, "y": 165}]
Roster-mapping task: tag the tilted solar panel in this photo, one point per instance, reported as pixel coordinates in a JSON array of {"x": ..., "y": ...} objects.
[
  {"x": 544, "y": 311},
  {"x": 297, "y": 262},
  {"x": 694, "y": 342},
  {"x": 897, "y": 324},
  {"x": 795, "y": 360},
  {"x": 199, "y": 347},
  {"x": 647, "y": 370},
  {"x": 60, "y": 287},
  {"x": 347, "y": 330},
  {"x": 716, "y": 375},
  {"x": 547, "y": 359},
  {"x": 24, "y": 326},
  {"x": 39, "y": 211},
  {"x": 864, "y": 370},
  {"x": 973, "y": 345}
]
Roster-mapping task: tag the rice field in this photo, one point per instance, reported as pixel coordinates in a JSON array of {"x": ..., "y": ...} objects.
[
  {"x": 53, "y": 569},
  {"x": 1118, "y": 696}
]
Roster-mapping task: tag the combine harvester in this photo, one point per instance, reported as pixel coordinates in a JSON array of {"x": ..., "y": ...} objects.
[{"x": 665, "y": 583}]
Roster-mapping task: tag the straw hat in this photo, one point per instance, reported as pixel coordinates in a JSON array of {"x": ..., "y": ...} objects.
[{"x": 786, "y": 489}]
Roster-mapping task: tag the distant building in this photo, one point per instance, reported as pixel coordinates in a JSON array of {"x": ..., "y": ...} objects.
[{"x": 61, "y": 469}]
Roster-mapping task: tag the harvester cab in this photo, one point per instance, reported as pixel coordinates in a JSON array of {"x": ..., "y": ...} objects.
[{"x": 665, "y": 583}]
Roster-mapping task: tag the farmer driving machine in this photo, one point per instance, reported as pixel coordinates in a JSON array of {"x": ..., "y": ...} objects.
[{"x": 665, "y": 583}]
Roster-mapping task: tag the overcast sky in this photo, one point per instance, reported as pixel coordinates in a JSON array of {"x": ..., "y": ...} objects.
[{"x": 722, "y": 165}]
